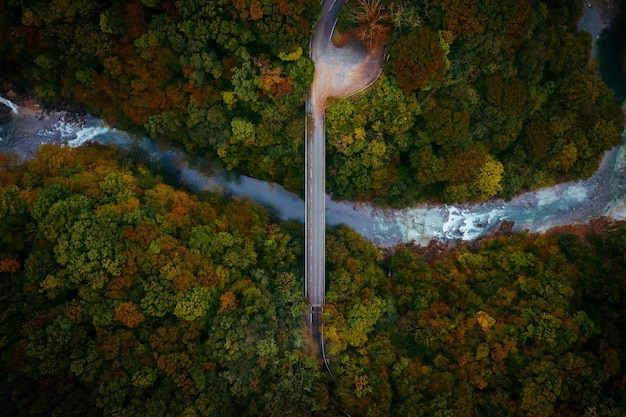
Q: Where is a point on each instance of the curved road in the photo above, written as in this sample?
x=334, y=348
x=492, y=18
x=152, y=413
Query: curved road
x=339, y=72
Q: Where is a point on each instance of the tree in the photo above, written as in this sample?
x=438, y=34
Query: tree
x=195, y=303
x=12, y=214
x=463, y=17
x=487, y=181
x=446, y=127
x=159, y=299
x=508, y=95
x=243, y=132
x=372, y=20
x=129, y=314
x=418, y=60
x=538, y=138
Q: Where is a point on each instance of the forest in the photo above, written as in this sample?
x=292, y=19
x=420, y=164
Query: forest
x=225, y=80
x=124, y=295
x=478, y=98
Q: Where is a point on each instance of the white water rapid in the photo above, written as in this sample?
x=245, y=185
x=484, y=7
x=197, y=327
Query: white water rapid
x=14, y=108
x=604, y=194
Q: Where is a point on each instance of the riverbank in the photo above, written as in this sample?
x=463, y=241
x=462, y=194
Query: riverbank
x=612, y=54
x=597, y=16
x=436, y=249
x=56, y=124
x=570, y=205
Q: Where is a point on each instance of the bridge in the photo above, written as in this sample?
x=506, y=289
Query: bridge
x=339, y=72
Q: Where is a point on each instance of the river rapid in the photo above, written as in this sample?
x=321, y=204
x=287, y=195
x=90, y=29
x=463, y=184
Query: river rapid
x=604, y=194
x=26, y=128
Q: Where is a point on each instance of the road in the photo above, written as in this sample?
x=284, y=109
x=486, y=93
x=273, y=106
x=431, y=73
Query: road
x=315, y=170
x=339, y=72
x=315, y=208
x=315, y=161
x=315, y=218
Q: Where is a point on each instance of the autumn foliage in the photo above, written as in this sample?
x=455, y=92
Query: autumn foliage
x=420, y=61
x=489, y=98
x=177, y=70
x=206, y=301
x=129, y=315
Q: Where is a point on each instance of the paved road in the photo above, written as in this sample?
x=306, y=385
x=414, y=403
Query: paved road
x=315, y=173
x=315, y=162
x=339, y=72
x=315, y=218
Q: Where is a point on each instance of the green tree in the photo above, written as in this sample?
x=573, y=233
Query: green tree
x=195, y=303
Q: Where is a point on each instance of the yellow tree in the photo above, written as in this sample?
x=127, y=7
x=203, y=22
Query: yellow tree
x=488, y=180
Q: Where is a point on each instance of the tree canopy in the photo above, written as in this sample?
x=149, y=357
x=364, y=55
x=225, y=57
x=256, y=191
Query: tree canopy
x=500, y=87
x=179, y=70
x=477, y=84
x=123, y=295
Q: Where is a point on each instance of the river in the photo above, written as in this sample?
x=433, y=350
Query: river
x=604, y=194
